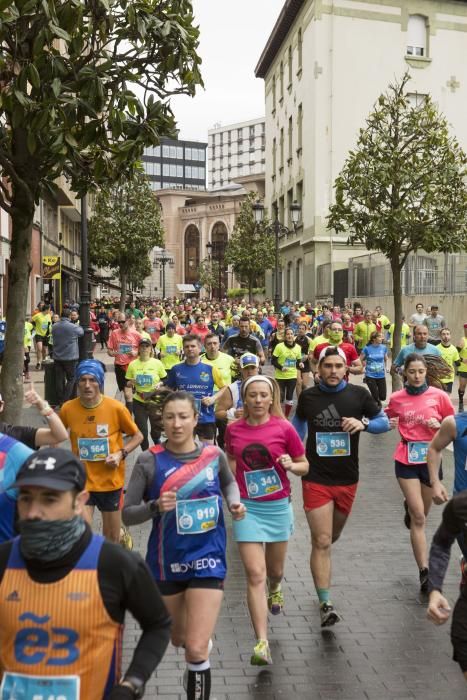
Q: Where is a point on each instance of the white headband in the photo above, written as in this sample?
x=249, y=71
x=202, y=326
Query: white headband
x=340, y=352
x=257, y=378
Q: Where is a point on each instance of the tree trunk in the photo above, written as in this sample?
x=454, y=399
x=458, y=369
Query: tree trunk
x=123, y=288
x=397, y=294
x=18, y=286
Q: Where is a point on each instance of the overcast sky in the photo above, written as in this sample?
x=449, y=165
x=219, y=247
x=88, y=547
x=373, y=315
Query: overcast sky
x=233, y=35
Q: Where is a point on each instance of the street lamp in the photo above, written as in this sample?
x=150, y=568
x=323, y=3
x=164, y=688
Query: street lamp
x=218, y=257
x=161, y=259
x=279, y=230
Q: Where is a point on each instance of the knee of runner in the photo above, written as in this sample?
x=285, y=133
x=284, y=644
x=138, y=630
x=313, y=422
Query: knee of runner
x=418, y=518
x=256, y=576
x=196, y=650
x=322, y=541
x=177, y=639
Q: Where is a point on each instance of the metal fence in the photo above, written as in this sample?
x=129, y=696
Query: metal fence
x=423, y=273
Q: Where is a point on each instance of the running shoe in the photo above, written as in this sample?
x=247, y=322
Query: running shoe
x=261, y=654
x=423, y=580
x=328, y=615
x=275, y=601
x=126, y=540
x=407, y=520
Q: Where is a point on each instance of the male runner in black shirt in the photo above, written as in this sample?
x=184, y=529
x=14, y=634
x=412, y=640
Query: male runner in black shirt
x=72, y=630
x=453, y=524
x=334, y=413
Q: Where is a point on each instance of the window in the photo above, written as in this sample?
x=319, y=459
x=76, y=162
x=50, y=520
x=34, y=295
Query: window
x=281, y=80
x=417, y=36
x=299, y=49
x=417, y=99
x=179, y=153
x=202, y=155
x=299, y=127
x=273, y=93
x=290, y=134
x=289, y=202
x=300, y=193
x=290, y=65
x=157, y=151
x=179, y=170
x=173, y=171
x=165, y=151
x=166, y=170
x=188, y=154
x=173, y=151
x=188, y=171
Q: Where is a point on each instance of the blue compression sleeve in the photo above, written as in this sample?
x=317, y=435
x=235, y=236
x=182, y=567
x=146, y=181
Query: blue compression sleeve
x=300, y=426
x=379, y=423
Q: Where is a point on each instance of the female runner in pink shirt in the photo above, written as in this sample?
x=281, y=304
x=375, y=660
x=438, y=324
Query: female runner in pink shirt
x=417, y=411
x=263, y=449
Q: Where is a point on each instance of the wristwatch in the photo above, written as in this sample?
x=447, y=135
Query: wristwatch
x=366, y=422
x=124, y=453
x=135, y=684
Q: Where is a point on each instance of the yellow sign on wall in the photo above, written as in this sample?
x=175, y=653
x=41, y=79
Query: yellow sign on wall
x=51, y=267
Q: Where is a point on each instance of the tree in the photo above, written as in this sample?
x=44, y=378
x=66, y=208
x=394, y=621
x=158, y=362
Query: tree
x=209, y=272
x=250, y=249
x=68, y=69
x=403, y=187
x=126, y=226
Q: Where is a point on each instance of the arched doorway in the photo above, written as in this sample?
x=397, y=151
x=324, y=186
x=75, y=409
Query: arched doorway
x=192, y=257
x=219, y=239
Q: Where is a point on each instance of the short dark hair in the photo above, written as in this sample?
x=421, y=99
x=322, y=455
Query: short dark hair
x=189, y=337
x=211, y=335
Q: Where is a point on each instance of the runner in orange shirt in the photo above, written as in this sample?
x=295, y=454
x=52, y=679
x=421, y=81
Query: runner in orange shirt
x=96, y=424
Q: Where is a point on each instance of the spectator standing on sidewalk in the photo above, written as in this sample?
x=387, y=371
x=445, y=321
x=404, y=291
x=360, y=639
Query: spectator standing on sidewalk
x=65, y=337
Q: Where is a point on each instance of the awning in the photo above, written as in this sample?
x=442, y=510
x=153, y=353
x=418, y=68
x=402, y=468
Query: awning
x=186, y=288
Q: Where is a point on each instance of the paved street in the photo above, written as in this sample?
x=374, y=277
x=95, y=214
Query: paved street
x=383, y=648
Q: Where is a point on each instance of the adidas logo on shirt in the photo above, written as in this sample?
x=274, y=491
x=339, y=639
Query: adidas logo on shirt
x=329, y=418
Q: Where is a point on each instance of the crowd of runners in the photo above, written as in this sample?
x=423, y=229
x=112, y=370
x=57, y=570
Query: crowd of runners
x=228, y=406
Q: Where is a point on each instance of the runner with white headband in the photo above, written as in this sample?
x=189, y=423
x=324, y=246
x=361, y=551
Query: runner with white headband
x=262, y=449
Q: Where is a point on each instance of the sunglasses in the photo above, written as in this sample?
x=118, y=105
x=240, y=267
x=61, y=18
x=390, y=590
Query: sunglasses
x=121, y=323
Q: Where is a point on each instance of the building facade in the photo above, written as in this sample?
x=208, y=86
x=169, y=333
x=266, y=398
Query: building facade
x=191, y=220
x=325, y=64
x=176, y=164
x=236, y=150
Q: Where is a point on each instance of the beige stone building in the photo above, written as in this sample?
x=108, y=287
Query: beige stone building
x=324, y=66
x=191, y=220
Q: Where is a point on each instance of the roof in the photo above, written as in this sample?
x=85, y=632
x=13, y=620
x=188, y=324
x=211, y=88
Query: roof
x=281, y=28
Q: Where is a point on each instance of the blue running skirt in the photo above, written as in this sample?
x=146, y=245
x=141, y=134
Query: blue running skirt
x=265, y=521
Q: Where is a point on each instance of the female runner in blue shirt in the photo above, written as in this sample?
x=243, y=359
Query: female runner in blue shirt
x=179, y=486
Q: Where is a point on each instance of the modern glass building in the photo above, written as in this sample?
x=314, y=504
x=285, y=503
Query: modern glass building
x=176, y=164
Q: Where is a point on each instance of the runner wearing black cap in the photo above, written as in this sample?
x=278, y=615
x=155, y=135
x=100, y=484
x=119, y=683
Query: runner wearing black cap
x=64, y=593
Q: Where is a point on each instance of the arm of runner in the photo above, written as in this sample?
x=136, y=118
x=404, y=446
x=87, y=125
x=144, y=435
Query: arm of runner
x=440, y=549
x=135, y=510
x=230, y=489
x=296, y=465
x=445, y=435
x=223, y=405
x=356, y=367
x=56, y=432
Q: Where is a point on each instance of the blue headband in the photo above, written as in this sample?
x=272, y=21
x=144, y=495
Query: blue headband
x=92, y=367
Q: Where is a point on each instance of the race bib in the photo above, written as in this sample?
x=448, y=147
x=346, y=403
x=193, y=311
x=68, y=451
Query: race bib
x=333, y=444
x=290, y=363
x=417, y=452
x=19, y=685
x=93, y=449
x=262, y=482
x=197, y=516
x=124, y=348
x=151, y=330
x=171, y=349
x=376, y=367
x=144, y=380
x=44, y=325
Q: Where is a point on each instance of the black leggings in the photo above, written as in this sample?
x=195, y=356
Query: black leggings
x=287, y=387
x=377, y=388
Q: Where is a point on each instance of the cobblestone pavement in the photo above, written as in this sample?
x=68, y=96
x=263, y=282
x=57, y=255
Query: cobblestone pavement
x=384, y=648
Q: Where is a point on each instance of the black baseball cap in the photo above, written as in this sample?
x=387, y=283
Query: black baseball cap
x=145, y=341
x=52, y=468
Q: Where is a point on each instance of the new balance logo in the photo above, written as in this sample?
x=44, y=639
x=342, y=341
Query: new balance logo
x=329, y=418
x=13, y=597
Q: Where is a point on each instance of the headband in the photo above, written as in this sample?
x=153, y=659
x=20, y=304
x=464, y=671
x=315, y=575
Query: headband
x=340, y=352
x=257, y=378
x=92, y=367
